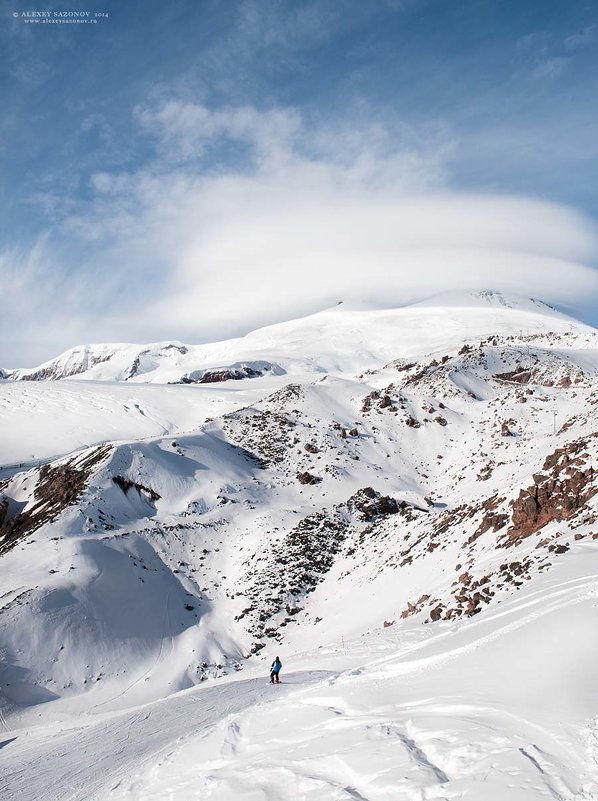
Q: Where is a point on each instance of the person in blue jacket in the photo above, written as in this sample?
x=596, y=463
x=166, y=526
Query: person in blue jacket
x=275, y=670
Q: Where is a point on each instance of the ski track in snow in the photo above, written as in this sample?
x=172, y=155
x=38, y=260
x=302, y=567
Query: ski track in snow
x=310, y=745
x=359, y=733
x=152, y=667
x=90, y=760
x=340, y=738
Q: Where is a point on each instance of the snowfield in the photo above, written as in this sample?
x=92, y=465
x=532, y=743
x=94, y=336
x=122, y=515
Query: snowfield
x=41, y=420
x=494, y=708
x=401, y=504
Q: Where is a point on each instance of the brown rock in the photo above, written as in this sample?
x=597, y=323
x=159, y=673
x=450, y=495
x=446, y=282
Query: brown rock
x=307, y=478
x=556, y=496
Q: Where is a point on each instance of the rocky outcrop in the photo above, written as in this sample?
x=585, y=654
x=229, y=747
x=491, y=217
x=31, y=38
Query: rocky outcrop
x=58, y=487
x=56, y=370
x=492, y=520
x=307, y=478
x=518, y=376
x=218, y=375
x=215, y=376
x=298, y=563
x=564, y=486
x=4, y=505
x=370, y=505
x=125, y=485
x=268, y=436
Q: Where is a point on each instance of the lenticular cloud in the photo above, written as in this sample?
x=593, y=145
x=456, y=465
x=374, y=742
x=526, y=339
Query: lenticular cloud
x=284, y=256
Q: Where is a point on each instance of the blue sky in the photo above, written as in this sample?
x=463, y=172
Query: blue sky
x=130, y=150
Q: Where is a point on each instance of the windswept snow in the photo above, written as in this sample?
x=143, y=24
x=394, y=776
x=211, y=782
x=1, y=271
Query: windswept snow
x=499, y=707
x=40, y=420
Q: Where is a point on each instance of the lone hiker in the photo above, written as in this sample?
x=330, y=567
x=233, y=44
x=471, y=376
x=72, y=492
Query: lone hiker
x=274, y=671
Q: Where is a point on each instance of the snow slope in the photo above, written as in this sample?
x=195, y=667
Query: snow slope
x=40, y=420
x=417, y=541
x=499, y=707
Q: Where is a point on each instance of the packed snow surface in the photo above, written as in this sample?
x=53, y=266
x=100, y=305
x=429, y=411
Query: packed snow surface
x=400, y=504
x=502, y=706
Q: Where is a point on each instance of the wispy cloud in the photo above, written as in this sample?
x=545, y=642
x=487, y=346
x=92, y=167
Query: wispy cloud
x=534, y=41
x=582, y=38
x=185, y=130
x=553, y=54
x=551, y=67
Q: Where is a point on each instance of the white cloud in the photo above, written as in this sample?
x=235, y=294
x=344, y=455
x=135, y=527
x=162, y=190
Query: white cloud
x=278, y=255
x=321, y=215
x=185, y=129
x=41, y=310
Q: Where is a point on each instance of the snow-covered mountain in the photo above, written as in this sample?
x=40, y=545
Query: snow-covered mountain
x=402, y=505
x=338, y=340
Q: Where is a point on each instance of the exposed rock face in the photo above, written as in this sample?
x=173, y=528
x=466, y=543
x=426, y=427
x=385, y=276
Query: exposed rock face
x=307, y=478
x=136, y=364
x=368, y=400
x=492, y=520
x=225, y=374
x=215, y=376
x=518, y=376
x=567, y=487
x=125, y=484
x=269, y=436
x=300, y=561
x=57, y=488
x=297, y=565
x=371, y=504
x=55, y=371
x=3, y=509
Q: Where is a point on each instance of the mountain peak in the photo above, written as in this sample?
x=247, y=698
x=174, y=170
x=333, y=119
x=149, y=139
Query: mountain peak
x=488, y=297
